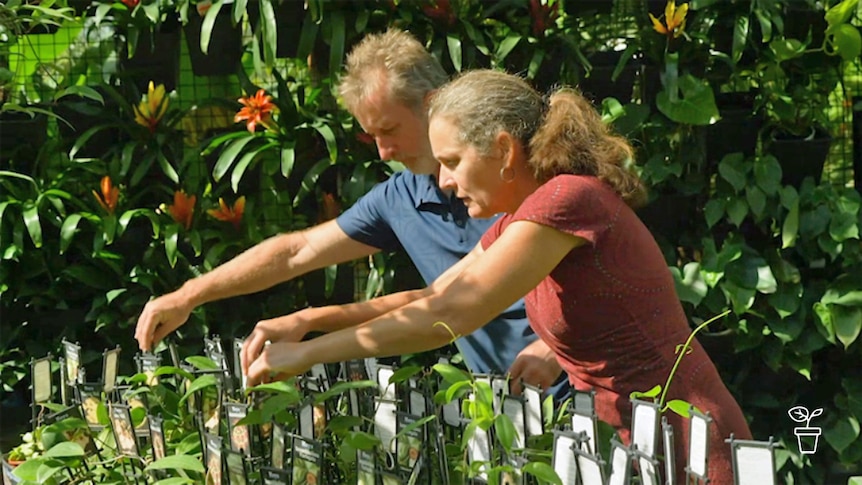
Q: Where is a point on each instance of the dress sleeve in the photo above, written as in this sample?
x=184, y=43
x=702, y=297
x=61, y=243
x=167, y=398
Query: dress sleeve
x=574, y=204
x=367, y=221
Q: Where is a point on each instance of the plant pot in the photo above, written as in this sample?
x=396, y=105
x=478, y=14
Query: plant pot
x=225, y=48
x=599, y=84
x=9, y=477
x=21, y=136
x=669, y=214
x=737, y=129
x=156, y=58
x=807, y=439
x=289, y=16
x=801, y=157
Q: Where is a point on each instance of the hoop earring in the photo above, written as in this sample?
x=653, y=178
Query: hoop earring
x=503, y=174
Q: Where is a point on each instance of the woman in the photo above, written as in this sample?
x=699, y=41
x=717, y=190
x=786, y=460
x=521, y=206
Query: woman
x=597, y=288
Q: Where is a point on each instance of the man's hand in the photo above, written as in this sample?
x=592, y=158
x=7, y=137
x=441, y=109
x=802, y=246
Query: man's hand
x=289, y=328
x=159, y=318
x=278, y=361
x=535, y=365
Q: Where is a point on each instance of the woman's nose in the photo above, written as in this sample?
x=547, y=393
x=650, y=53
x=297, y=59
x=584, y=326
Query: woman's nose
x=445, y=179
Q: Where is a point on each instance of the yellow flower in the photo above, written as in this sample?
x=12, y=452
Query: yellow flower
x=152, y=107
x=674, y=18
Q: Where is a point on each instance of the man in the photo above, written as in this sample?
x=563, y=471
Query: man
x=386, y=84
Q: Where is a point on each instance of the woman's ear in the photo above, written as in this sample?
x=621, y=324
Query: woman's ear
x=506, y=144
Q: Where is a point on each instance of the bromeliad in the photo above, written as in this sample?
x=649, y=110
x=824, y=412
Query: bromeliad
x=257, y=109
x=183, y=208
x=110, y=195
x=152, y=107
x=674, y=18
x=229, y=214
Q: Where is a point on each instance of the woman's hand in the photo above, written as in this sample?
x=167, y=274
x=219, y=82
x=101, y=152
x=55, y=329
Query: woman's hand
x=278, y=361
x=289, y=328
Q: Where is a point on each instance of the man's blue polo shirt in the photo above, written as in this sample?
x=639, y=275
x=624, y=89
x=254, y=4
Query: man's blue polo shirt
x=411, y=211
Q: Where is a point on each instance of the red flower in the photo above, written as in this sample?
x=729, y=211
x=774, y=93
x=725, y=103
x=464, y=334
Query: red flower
x=328, y=209
x=229, y=214
x=544, y=15
x=131, y=3
x=183, y=208
x=440, y=10
x=256, y=109
x=109, y=196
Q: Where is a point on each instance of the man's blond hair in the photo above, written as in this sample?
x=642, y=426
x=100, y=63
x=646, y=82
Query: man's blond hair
x=396, y=60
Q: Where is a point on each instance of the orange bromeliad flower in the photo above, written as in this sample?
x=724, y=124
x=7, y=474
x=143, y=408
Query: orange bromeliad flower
x=183, y=208
x=229, y=214
x=256, y=109
x=109, y=196
x=674, y=18
x=152, y=107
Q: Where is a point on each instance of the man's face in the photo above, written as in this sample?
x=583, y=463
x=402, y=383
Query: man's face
x=400, y=133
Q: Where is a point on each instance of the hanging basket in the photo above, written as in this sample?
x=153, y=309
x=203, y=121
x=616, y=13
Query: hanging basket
x=156, y=58
x=225, y=47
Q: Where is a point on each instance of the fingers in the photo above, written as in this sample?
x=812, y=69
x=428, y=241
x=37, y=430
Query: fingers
x=144, y=331
x=516, y=373
x=252, y=348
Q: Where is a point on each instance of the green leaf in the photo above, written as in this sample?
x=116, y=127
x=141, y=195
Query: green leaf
x=790, y=228
x=741, y=298
x=171, y=237
x=167, y=168
x=767, y=174
x=846, y=41
x=202, y=382
x=34, y=226
x=824, y=326
x=786, y=49
x=241, y=166
x=842, y=433
x=844, y=290
x=765, y=279
x=843, y=226
x=28, y=470
x=713, y=211
x=737, y=209
x=786, y=300
x=786, y=329
x=696, y=106
x=362, y=440
x=652, y=393
x=226, y=159
x=309, y=182
x=328, y=138
x=307, y=36
x=201, y=362
x=542, y=471
x=450, y=374
x=847, y=322
x=67, y=231
x=841, y=12
x=66, y=449
x=506, y=47
x=174, y=462
x=756, y=200
x=453, y=44
x=175, y=481
x=679, y=407
x=207, y=26
x=505, y=431
x=690, y=285
x=342, y=387
x=731, y=168
x=288, y=157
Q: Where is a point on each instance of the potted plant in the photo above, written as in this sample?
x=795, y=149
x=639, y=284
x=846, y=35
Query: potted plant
x=213, y=38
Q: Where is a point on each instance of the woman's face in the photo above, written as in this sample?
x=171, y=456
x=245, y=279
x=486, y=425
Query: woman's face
x=474, y=179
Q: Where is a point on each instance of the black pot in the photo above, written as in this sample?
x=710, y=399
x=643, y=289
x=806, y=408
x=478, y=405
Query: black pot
x=21, y=136
x=225, y=48
x=801, y=157
x=600, y=83
x=737, y=129
x=289, y=16
x=156, y=58
x=669, y=215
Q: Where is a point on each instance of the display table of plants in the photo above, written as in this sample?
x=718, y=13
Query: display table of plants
x=191, y=419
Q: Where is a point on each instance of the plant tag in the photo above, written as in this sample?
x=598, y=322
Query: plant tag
x=147, y=364
x=213, y=456
x=645, y=419
x=157, y=436
x=365, y=467
x=274, y=476
x=513, y=407
x=240, y=435
x=669, y=456
x=236, y=470
x=72, y=354
x=753, y=462
x=621, y=464
x=648, y=469
x=90, y=399
x=385, y=422
x=124, y=432
x=241, y=378
x=590, y=468
x=500, y=386
x=409, y=443
x=479, y=450
x=64, y=383
x=564, y=459
x=533, y=402
x=110, y=366
x=307, y=461
x=278, y=446
x=698, y=448
x=306, y=419
x=386, y=389
x=320, y=378
x=417, y=401
x=40, y=369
